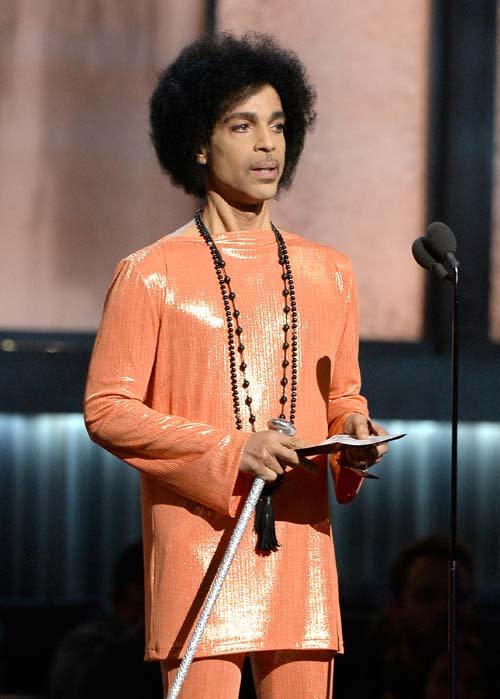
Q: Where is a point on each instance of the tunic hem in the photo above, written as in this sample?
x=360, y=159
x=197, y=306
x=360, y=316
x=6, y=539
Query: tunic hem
x=224, y=649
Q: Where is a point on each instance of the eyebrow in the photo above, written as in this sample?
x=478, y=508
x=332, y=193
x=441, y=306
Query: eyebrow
x=251, y=116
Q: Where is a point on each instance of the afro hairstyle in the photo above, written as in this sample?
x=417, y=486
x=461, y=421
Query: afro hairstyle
x=208, y=77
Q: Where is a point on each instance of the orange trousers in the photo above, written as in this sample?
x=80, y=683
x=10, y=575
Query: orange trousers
x=277, y=674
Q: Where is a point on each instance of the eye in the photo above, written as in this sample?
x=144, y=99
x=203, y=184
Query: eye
x=241, y=127
x=279, y=127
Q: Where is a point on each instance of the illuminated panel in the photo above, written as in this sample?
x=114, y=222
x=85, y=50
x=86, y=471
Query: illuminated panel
x=80, y=184
x=361, y=183
x=68, y=504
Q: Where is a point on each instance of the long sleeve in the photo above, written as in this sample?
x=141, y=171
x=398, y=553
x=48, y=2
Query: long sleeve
x=344, y=397
x=195, y=460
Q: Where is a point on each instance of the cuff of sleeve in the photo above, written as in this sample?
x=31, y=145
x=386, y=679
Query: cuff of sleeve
x=229, y=491
x=347, y=483
x=240, y=484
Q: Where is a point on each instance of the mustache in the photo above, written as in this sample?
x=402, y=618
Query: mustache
x=265, y=164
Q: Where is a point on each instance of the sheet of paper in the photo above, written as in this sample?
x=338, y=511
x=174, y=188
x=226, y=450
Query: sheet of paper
x=344, y=440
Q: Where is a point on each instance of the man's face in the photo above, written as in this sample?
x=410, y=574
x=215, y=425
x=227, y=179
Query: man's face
x=246, y=153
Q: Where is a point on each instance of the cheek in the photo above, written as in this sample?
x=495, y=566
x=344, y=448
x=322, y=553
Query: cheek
x=226, y=163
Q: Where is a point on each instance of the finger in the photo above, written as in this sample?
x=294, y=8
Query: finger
x=285, y=455
x=291, y=458
x=377, y=428
x=359, y=454
x=267, y=474
x=272, y=464
x=358, y=426
x=265, y=466
x=367, y=462
x=308, y=465
x=382, y=449
x=362, y=460
x=293, y=442
x=305, y=463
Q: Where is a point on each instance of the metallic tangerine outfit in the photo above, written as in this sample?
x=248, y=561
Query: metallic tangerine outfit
x=158, y=396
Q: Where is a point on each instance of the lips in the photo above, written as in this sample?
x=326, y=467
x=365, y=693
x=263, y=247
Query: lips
x=265, y=168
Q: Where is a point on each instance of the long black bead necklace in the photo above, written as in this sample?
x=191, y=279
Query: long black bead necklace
x=264, y=515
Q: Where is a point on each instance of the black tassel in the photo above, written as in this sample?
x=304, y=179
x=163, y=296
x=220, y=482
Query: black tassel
x=264, y=519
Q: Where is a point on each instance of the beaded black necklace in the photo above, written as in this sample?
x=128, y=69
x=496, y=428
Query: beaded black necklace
x=264, y=516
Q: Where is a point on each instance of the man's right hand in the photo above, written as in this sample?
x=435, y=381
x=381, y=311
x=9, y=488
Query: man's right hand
x=266, y=454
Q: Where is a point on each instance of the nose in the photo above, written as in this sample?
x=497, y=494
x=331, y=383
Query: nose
x=264, y=141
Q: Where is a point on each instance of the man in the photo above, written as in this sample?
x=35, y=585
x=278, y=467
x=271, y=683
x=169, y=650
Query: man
x=207, y=335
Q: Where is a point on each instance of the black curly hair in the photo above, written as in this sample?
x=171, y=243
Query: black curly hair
x=208, y=77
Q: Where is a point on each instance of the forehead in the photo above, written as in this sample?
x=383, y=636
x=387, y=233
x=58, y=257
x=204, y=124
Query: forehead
x=261, y=100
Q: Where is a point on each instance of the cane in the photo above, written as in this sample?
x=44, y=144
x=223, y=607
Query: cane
x=258, y=484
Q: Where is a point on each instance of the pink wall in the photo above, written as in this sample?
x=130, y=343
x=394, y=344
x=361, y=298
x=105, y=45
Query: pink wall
x=81, y=187
x=80, y=183
x=361, y=183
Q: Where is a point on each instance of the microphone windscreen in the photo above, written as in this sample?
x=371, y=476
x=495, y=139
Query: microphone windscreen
x=425, y=258
x=421, y=255
x=440, y=240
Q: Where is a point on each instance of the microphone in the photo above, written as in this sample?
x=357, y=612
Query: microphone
x=424, y=258
x=442, y=244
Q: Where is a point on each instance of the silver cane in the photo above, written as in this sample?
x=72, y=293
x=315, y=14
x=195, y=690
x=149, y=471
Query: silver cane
x=258, y=484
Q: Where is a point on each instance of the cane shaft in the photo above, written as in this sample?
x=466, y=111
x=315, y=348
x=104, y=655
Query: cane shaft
x=280, y=425
x=237, y=535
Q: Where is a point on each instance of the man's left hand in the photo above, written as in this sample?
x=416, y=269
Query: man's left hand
x=361, y=427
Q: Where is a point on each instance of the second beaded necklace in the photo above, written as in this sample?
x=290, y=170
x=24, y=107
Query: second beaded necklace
x=264, y=515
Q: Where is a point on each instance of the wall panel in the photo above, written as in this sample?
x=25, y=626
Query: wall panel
x=80, y=183
x=361, y=185
x=69, y=507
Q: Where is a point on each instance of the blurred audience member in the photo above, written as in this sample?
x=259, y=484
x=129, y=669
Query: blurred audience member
x=105, y=657
x=404, y=654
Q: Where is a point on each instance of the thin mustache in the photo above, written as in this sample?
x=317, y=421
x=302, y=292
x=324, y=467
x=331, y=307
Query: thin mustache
x=265, y=164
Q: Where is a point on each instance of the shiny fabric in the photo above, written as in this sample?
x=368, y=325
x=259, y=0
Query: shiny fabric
x=277, y=674
x=158, y=396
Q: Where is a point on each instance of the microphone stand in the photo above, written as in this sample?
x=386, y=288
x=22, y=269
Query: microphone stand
x=452, y=610
x=435, y=253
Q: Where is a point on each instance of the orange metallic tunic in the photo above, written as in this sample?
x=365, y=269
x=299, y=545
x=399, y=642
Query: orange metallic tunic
x=158, y=396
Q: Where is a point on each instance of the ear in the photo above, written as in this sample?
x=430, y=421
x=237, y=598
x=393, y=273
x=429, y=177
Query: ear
x=202, y=156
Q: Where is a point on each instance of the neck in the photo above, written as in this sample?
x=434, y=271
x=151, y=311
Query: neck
x=220, y=216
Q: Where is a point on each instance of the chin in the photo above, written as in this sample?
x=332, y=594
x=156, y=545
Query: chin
x=267, y=192
x=247, y=198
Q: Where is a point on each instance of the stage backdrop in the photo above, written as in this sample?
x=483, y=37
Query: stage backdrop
x=80, y=184
x=81, y=188
x=361, y=185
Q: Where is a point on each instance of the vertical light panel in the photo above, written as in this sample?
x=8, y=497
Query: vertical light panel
x=361, y=185
x=80, y=184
